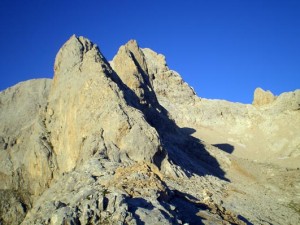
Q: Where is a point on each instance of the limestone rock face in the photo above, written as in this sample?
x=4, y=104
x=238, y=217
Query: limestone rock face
x=88, y=114
x=26, y=160
x=130, y=64
x=168, y=84
x=156, y=63
x=262, y=97
x=133, y=67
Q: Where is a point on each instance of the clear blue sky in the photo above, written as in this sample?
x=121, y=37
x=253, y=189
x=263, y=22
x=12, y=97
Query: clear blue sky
x=224, y=49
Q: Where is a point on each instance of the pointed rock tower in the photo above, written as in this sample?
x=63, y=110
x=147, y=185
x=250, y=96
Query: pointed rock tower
x=88, y=112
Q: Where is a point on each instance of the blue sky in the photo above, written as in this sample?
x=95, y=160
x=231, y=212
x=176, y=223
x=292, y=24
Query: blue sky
x=224, y=49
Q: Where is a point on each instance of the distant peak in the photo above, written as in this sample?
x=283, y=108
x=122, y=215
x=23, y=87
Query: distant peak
x=74, y=40
x=133, y=47
x=73, y=37
x=78, y=42
x=132, y=42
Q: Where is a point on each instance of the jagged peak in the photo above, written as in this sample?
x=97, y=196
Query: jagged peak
x=130, y=65
x=132, y=43
x=156, y=62
x=132, y=50
x=73, y=51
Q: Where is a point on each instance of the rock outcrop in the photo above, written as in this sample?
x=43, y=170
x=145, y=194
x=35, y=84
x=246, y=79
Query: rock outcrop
x=262, y=97
x=129, y=142
x=88, y=113
x=26, y=161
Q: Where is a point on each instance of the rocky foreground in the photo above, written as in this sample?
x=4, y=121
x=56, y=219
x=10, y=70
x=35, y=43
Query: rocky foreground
x=129, y=142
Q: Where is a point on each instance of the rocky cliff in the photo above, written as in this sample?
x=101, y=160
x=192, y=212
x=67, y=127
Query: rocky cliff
x=129, y=142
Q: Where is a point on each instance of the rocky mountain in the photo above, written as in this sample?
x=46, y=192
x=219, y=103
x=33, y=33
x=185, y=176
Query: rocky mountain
x=129, y=142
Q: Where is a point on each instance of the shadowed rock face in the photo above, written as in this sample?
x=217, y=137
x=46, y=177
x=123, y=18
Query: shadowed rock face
x=129, y=142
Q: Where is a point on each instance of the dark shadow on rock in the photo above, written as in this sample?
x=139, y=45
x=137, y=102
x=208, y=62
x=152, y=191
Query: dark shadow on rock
x=184, y=207
x=225, y=147
x=182, y=149
x=134, y=204
x=244, y=220
x=190, y=154
x=188, y=130
x=105, y=203
x=176, y=208
x=188, y=209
